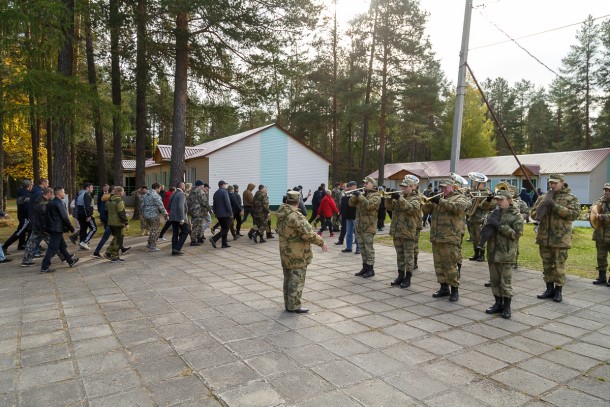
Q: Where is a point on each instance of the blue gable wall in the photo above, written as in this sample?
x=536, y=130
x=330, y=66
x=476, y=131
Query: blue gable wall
x=274, y=144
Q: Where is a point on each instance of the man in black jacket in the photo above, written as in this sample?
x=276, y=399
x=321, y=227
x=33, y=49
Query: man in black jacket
x=315, y=203
x=223, y=212
x=38, y=221
x=237, y=210
x=23, y=208
x=58, y=222
x=84, y=215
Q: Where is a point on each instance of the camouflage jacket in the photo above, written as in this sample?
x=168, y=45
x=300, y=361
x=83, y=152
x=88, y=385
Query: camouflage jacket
x=421, y=197
x=502, y=246
x=296, y=237
x=602, y=233
x=197, y=202
x=555, y=228
x=260, y=205
x=116, y=211
x=336, y=194
x=406, y=216
x=448, y=216
x=366, y=206
x=520, y=203
x=152, y=205
x=483, y=207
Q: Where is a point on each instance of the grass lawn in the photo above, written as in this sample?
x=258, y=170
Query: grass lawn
x=581, y=258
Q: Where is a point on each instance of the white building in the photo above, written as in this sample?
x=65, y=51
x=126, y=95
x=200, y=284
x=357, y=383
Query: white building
x=267, y=155
x=586, y=171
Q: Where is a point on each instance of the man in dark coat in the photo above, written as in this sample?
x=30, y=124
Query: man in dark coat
x=22, y=233
x=58, y=222
x=223, y=212
x=178, y=216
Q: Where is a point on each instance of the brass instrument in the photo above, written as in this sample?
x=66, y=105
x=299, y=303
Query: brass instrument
x=477, y=177
x=459, y=179
x=593, y=219
x=386, y=194
x=354, y=190
x=429, y=198
x=502, y=186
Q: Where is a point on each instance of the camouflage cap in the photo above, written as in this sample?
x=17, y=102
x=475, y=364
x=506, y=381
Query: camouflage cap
x=26, y=182
x=503, y=194
x=408, y=182
x=607, y=185
x=292, y=197
x=369, y=179
x=557, y=177
x=446, y=183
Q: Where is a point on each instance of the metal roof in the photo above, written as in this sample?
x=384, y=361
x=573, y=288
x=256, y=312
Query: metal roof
x=205, y=149
x=130, y=165
x=565, y=162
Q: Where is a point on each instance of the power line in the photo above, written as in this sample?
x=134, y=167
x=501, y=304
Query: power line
x=530, y=35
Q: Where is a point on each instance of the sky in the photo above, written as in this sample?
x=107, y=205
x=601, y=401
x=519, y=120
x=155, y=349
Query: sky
x=517, y=18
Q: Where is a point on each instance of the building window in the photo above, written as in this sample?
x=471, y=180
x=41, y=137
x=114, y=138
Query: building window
x=192, y=175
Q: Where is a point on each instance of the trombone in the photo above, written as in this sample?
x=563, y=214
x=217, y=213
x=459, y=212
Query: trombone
x=354, y=190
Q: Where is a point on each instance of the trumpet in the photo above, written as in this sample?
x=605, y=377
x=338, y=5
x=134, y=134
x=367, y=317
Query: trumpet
x=429, y=198
x=387, y=194
x=354, y=190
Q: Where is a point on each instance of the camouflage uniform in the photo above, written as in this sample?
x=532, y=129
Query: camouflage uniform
x=117, y=219
x=198, y=209
x=446, y=231
x=477, y=217
x=260, y=211
x=336, y=194
x=366, y=206
x=296, y=237
x=554, y=235
x=139, y=196
x=406, y=219
x=420, y=226
x=601, y=235
x=152, y=207
x=502, y=251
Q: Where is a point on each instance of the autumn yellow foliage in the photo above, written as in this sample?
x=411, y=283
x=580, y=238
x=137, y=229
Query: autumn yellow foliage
x=18, y=150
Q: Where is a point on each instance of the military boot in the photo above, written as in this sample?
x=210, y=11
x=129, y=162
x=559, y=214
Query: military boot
x=549, y=293
x=270, y=235
x=399, y=279
x=506, y=310
x=406, y=283
x=260, y=238
x=370, y=272
x=475, y=256
x=557, y=296
x=481, y=255
x=361, y=272
x=443, y=291
x=415, y=266
x=601, y=279
x=496, y=308
x=251, y=234
x=455, y=294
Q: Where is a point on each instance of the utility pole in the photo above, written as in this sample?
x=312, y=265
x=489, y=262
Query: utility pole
x=460, y=91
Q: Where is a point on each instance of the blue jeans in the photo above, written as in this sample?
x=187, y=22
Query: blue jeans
x=350, y=235
x=105, y=237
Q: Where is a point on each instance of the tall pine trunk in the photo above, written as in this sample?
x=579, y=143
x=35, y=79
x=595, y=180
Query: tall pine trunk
x=141, y=85
x=117, y=156
x=61, y=143
x=102, y=176
x=335, y=142
x=384, y=112
x=35, y=132
x=367, y=99
x=180, y=97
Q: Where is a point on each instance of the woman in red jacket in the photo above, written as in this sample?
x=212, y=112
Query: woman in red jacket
x=325, y=211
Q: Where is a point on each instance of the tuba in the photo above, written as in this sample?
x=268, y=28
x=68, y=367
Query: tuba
x=502, y=186
x=458, y=179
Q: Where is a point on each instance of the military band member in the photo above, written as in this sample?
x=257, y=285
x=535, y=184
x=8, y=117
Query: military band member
x=406, y=217
x=366, y=205
x=502, y=251
x=601, y=235
x=296, y=237
x=446, y=229
x=555, y=211
x=477, y=217
x=420, y=224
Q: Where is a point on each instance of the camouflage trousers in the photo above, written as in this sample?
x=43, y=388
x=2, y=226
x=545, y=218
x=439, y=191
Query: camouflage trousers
x=475, y=233
x=117, y=242
x=367, y=249
x=501, y=279
x=153, y=225
x=197, y=227
x=554, y=264
x=446, y=258
x=32, y=245
x=142, y=222
x=294, y=282
x=404, y=254
x=602, y=255
x=416, y=243
x=260, y=223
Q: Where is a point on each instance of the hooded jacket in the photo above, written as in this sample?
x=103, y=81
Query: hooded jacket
x=249, y=196
x=555, y=228
x=503, y=244
x=115, y=206
x=296, y=237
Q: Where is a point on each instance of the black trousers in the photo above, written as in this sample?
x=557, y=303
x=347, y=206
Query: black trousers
x=225, y=224
x=22, y=233
x=56, y=244
x=181, y=232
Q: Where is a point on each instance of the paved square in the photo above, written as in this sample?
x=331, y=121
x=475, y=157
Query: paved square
x=209, y=329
